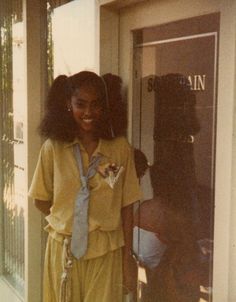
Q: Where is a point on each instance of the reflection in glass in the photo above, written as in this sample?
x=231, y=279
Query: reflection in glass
x=12, y=155
x=174, y=126
x=174, y=232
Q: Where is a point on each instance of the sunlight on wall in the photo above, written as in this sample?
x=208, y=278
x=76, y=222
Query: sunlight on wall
x=73, y=34
x=19, y=113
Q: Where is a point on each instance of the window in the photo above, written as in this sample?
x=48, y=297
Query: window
x=12, y=110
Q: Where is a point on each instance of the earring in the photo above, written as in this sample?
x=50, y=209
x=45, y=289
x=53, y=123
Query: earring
x=68, y=109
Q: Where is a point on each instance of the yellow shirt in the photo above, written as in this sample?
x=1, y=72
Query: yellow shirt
x=57, y=179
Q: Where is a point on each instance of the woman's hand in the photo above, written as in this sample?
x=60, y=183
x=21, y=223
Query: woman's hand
x=129, y=273
x=43, y=206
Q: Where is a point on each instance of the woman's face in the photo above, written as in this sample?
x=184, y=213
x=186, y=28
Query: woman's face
x=86, y=107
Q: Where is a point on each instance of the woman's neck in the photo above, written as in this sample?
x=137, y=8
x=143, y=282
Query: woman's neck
x=90, y=143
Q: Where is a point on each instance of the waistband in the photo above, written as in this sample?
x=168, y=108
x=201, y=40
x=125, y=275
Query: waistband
x=99, y=242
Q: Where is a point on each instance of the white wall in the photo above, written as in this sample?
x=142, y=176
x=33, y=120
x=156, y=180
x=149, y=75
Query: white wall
x=34, y=92
x=75, y=33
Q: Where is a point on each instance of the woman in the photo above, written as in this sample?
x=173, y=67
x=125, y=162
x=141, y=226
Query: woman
x=85, y=183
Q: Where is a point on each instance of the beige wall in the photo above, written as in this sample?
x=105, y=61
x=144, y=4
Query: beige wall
x=149, y=13
x=232, y=247
x=35, y=95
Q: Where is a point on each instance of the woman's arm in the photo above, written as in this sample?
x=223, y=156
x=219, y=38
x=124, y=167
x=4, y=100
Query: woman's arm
x=129, y=263
x=43, y=206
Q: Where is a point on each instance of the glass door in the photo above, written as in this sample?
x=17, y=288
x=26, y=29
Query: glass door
x=174, y=109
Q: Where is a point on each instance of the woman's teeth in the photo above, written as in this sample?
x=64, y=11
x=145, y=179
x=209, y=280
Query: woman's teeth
x=86, y=120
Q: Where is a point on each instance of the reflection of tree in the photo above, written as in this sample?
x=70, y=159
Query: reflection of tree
x=12, y=232
x=7, y=160
x=14, y=245
x=50, y=72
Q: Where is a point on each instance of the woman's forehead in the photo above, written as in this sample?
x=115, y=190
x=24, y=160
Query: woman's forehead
x=87, y=93
x=88, y=89
x=95, y=86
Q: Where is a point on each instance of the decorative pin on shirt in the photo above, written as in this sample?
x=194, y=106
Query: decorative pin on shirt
x=110, y=173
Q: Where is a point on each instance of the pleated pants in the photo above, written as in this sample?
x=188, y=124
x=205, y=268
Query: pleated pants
x=93, y=280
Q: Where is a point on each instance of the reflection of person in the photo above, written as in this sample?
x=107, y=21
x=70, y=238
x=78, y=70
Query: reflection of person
x=177, y=275
x=83, y=168
x=176, y=125
x=174, y=215
x=164, y=242
x=147, y=245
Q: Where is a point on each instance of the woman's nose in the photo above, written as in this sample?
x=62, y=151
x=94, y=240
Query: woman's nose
x=87, y=109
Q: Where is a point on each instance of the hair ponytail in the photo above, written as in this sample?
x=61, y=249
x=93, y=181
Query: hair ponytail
x=116, y=106
x=58, y=93
x=57, y=122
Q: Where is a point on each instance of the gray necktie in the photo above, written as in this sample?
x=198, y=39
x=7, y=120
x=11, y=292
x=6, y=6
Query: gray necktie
x=79, y=240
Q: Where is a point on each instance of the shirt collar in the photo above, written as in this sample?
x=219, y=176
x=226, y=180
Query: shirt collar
x=102, y=147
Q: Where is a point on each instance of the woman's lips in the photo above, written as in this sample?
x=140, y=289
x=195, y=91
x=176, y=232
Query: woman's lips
x=87, y=120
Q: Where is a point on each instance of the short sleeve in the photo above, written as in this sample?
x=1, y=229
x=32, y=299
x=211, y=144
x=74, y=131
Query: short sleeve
x=42, y=183
x=131, y=187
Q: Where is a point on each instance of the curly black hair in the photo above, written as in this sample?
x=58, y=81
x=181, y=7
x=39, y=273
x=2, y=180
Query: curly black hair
x=59, y=124
x=117, y=106
x=141, y=162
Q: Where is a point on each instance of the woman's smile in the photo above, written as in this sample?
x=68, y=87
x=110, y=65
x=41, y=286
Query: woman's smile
x=88, y=121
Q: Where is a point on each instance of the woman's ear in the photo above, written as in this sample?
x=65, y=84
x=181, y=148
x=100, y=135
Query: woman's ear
x=69, y=108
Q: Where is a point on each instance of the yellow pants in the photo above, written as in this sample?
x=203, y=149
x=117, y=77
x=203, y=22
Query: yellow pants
x=94, y=280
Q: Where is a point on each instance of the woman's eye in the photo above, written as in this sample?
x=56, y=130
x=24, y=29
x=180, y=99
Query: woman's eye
x=95, y=105
x=80, y=104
